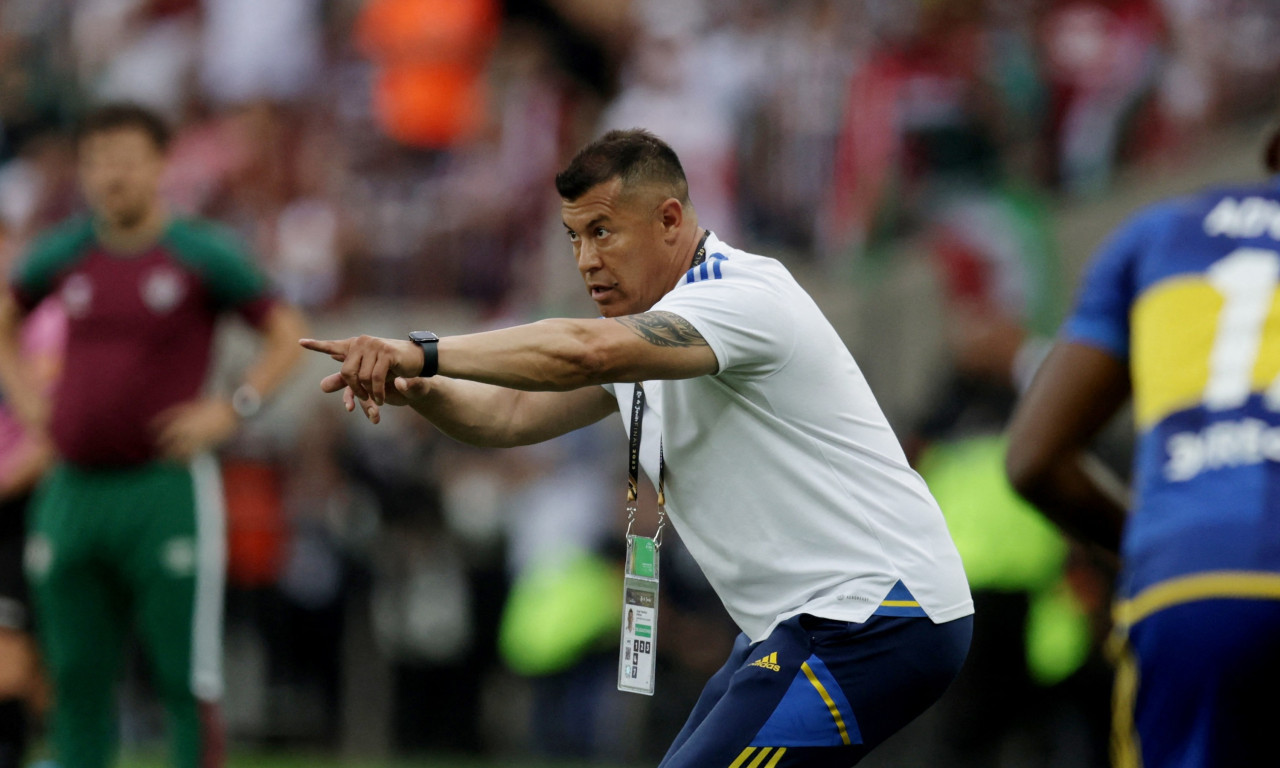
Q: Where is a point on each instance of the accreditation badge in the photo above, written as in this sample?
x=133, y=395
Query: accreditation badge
x=636, y=668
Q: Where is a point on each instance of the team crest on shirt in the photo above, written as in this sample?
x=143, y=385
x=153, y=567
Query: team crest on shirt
x=37, y=556
x=162, y=289
x=178, y=555
x=77, y=295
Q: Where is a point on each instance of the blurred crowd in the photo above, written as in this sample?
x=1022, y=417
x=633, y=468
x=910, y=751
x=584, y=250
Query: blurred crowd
x=393, y=591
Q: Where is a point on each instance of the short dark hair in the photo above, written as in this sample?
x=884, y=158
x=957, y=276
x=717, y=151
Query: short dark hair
x=636, y=156
x=122, y=115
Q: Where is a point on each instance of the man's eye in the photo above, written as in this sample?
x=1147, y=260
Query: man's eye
x=573, y=236
x=601, y=231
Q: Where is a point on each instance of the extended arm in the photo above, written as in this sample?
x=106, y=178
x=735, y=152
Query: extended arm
x=25, y=402
x=523, y=384
x=567, y=354
x=1076, y=391
x=488, y=416
x=547, y=356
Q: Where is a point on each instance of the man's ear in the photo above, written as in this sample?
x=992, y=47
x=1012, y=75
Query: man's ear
x=671, y=215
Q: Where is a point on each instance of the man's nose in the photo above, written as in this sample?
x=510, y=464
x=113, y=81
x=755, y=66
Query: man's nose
x=588, y=257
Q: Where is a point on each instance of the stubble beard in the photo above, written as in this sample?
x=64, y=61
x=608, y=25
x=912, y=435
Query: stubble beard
x=128, y=218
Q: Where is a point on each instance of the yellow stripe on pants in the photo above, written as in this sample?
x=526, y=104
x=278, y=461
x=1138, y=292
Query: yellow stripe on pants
x=764, y=753
x=1126, y=747
x=831, y=705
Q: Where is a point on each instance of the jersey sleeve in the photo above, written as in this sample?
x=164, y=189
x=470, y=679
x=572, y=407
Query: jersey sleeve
x=224, y=265
x=743, y=316
x=35, y=275
x=1101, y=315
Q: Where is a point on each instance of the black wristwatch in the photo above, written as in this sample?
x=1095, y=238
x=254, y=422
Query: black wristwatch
x=427, y=341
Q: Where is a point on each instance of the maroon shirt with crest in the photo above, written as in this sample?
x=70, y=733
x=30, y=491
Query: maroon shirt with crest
x=140, y=329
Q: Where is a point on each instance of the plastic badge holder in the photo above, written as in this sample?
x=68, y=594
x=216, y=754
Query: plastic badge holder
x=636, y=669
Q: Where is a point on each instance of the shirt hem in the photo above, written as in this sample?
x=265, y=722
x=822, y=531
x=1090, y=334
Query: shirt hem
x=864, y=612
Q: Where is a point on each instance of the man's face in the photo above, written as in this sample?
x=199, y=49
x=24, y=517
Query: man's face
x=120, y=171
x=618, y=243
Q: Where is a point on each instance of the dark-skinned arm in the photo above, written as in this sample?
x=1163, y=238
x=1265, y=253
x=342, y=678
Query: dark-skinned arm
x=1075, y=393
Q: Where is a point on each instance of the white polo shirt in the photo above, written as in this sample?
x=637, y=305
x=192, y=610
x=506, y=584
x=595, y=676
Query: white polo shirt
x=783, y=477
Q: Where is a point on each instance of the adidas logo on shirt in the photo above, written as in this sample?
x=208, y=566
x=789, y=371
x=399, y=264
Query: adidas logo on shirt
x=768, y=662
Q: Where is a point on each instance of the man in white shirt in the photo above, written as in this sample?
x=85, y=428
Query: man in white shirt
x=781, y=473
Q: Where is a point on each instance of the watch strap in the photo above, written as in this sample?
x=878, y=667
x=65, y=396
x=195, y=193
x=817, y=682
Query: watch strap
x=428, y=342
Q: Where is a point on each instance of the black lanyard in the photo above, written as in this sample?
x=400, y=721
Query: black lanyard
x=633, y=457
x=637, y=421
x=700, y=255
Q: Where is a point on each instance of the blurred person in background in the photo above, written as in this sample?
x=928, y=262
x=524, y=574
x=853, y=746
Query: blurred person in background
x=24, y=458
x=919, y=119
x=126, y=529
x=37, y=189
x=1101, y=60
x=1029, y=669
x=853, y=604
x=1181, y=308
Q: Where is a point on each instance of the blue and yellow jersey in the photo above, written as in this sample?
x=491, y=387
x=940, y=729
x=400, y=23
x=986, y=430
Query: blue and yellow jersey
x=1186, y=293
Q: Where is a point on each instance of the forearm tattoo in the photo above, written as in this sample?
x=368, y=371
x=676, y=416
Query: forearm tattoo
x=664, y=329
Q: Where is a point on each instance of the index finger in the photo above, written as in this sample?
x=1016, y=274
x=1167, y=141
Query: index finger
x=327, y=346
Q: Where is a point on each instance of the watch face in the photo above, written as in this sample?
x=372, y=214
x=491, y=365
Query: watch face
x=422, y=336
